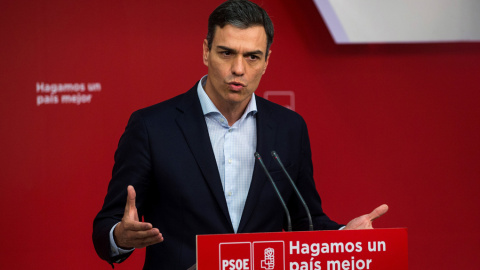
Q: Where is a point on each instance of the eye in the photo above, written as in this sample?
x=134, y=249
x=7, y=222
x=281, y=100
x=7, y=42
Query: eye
x=226, y=53
x=253, y=57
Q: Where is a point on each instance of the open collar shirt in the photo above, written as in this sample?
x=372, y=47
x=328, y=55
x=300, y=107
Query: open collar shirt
x=234, y=147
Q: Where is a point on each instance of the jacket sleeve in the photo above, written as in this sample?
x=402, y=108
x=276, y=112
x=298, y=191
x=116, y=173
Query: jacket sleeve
x=132, y=167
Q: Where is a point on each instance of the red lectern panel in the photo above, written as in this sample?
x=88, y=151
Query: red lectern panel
x=317, y=250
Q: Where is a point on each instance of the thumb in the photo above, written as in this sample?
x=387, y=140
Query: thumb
x=130, y=208
x=378, y=212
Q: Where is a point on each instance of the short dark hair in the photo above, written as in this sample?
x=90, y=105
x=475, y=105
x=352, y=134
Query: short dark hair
x=241, y=14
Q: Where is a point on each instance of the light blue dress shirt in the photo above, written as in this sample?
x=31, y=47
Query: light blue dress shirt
x=234, y=147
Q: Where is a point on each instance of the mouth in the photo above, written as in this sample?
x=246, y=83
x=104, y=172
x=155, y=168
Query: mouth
x=236, y=86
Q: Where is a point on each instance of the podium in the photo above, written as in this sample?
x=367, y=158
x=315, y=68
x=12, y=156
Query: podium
x=378, y=249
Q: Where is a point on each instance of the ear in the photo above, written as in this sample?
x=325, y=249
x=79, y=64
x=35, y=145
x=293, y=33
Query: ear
x=206, y=52
x=266, y=62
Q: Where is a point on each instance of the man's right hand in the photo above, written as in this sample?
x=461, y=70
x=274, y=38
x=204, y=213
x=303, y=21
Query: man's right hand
x=130, y=232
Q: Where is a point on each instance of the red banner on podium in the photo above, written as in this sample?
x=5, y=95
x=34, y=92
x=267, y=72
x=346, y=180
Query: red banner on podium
x=317, y=250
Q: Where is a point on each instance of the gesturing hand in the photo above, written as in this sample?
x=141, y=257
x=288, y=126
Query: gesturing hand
x=365, y=221
x=130, y=232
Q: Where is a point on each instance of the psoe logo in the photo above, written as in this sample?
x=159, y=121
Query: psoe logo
x=235, y=256
x=269, y=255
x=269, y=262
x=265, y=255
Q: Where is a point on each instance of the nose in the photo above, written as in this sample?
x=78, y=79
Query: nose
x=238, y=66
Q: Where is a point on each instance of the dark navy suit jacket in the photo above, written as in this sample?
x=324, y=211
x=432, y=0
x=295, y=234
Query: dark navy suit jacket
x=166, y=154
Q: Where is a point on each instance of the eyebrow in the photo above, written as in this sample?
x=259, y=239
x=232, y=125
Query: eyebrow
x=257, y=52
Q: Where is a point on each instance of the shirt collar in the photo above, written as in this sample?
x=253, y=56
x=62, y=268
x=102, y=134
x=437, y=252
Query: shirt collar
x=208, y=107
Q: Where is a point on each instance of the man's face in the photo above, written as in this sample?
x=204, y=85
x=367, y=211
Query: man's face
x=236, y=63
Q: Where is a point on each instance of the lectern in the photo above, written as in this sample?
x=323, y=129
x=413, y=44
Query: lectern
x=378, y=249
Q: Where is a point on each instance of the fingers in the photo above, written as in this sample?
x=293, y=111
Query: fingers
x=143, y=236
x=130, y=217
x=136, y=226
x=131, y=194
x=378, y=212
x=365, y=221
x=130, y=208
x=130, y=232
x=146, y=238
x=128, y=238
x=148, y=242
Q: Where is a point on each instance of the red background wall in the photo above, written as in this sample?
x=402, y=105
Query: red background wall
x=395, y=124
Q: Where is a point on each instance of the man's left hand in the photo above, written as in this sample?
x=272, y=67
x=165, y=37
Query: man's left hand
x=365, y=221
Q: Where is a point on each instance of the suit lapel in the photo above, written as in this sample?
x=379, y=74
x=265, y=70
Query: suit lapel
x=192, y=123
x=266, y=127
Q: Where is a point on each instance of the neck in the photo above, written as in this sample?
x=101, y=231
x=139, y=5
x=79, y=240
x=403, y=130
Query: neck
x=232, y=112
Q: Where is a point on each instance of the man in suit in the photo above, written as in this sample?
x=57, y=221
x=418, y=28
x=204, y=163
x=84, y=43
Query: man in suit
x=187, y=165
